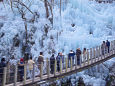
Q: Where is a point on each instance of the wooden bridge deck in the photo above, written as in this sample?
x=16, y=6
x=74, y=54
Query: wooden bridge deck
x=94, y=57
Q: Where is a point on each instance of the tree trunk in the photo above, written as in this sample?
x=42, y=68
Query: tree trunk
x=60, y=7
x=46, y=7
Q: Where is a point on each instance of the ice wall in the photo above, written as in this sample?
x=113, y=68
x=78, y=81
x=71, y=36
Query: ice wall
x=93, y=23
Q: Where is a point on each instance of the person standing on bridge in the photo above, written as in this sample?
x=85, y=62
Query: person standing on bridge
x=78, y=54
x=58, y=62
x=52, y=63
x=71, y=55
x=40, y=60
x=21, y=68
x=62, y=58
x=31, y=65
x=2, y=65
x=103, y=48
x=108, y=45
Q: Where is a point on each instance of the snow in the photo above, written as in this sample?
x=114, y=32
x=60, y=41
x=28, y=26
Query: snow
x=99, y=19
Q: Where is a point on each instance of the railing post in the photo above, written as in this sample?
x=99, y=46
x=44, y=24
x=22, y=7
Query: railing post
x=61, y=66
x=71, y=63
x=98, y=53
x=94, y=56
x=15, y=75
x=33, y=72
x=114, y=46
x=84, y=57
x=101, y=53
x=55, y=67
x=80, y=60
x=111, y=47
x=88, y=56
x=8, y=73
x=75, y=61
x=4, y=76
x=25, y=70
x=48, y=68
x=66, y=64
x=91, y=56
x=41, y=70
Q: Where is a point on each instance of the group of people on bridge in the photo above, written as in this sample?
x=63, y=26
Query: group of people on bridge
x=74, y=56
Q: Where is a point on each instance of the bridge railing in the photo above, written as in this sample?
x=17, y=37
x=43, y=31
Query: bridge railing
x=47, y=69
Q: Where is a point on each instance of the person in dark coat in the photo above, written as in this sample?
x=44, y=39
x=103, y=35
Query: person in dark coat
x=71, y=55
x=21, y=68
x=58, y=62
x=52, y=63
x=40, y=60
x=103, y=48
x=78, y=54
x=108, y=45
x=2, y=65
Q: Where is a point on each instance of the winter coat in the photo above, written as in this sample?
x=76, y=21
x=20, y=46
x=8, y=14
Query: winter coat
x=71, y=54
x=30, y=64
x=107, y=43
x=40, y=59
x=2, y=65
x=59, y=57
x=78, y=52
x=52, y=60
x=103, y=47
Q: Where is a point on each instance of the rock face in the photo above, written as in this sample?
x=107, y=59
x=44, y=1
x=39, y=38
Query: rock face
x=81, y=82
x=110, y=80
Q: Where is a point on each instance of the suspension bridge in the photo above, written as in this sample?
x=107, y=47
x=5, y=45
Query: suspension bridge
x=92, y=57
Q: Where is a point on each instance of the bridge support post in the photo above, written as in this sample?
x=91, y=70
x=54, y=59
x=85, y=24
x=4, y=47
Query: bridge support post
x=88, y=56
x=94, y=54
x=101, y=53
x=98, y=53
x=41, y=70
x=48, y=67
x=55, y=67
x=84, y=58
x=33, y=73
x=25, y=70
x=66, y=64
x=8, y=73
x=111, y=48
x=71, y=63
x=80, y=60
x=114, y=46
x=60, y=66
x=91, y=56
x=75, y=62
x=4, y=76
x=15, y=75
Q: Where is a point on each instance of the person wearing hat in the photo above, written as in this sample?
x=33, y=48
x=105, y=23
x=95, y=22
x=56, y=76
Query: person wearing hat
x=2, y=65
x=21, y=68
